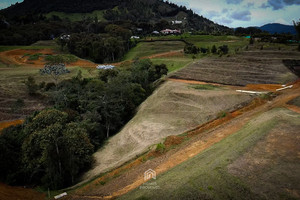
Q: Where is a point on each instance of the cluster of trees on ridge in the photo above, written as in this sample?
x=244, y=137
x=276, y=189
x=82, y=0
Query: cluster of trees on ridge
x=54, y=146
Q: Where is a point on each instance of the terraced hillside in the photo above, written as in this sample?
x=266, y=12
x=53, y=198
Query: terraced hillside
x=249, y=67
x=173, y=109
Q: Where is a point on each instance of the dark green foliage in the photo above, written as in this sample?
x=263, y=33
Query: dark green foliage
x=49, y=86
x=214, y=49
x=251, y=41
x=32, y=87
x=106, y=74
x=223, y=49
x=18, y=105
x=297, y=27
x=55, y=150
x=58, y=59
x=11, y=140
x=105, y=104
x=191, y=49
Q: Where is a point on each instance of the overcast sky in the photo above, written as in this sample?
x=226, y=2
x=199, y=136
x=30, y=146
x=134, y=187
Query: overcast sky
x=235, y=13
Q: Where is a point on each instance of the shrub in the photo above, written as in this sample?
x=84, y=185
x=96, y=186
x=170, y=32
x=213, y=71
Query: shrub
x=160, y=148
x=221, y=114
x=50, y=86
x=214, y=49
x=224, y=49
x=32, y=87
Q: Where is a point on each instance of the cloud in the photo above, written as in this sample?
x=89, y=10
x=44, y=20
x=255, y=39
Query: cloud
x=225, y=21
x=280, y=4
x=250, y=5
x=225, y=10
x=4, y=5
x=282, y=21
x=234, y=1
x=212, y=14
x=241, y=15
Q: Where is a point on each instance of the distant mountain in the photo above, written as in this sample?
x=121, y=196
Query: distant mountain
x=141, y=11
x=278, y=28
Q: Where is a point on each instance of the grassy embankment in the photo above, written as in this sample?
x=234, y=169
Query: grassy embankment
x=175, y=62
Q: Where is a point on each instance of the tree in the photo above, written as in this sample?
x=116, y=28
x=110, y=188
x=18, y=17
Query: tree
x=11, y=140
x=297, y=27
x=214, y=49
x=54, y=71
x=32, y=87
x=223, y=49
x=55, y=151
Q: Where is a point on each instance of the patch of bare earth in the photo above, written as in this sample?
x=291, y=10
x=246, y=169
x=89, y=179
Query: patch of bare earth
x=249, y=67
x=19, y=193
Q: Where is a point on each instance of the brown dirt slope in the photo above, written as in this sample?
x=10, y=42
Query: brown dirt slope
x=17, y=57
x=19, y=193
x=172, y=109
x=249, y=67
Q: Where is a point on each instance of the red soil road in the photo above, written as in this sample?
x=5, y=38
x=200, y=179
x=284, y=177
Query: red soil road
x=6, y=124
x=17, y=57
x=19, y=193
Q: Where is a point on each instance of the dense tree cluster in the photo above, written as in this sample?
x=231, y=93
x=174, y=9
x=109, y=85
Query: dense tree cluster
x=55, y=145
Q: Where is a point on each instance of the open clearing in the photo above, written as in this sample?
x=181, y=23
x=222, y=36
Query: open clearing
x=172, y=109
x=18, y=57
x=146, y=49
x=249, y=67
x=13, y=87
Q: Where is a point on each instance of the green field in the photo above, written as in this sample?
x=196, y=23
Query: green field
x=7, y=48
x=78, y=16
x=208, y=176
x=173, y=63
x=207, y=41
x=144, y=49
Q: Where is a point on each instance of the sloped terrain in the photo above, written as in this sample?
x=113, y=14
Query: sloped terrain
x=173, y=109
x=249, y=67
x=259, y=161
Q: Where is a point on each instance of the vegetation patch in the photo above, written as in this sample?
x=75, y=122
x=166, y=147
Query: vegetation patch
x=206, y=87
x=295, y=101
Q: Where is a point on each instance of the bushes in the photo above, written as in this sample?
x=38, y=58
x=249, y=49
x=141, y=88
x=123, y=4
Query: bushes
x=32, y=87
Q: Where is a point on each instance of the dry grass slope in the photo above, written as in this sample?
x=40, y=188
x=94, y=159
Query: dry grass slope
x=171, y=110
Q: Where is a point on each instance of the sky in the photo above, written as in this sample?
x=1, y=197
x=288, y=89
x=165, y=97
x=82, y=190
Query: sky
x=235, y=13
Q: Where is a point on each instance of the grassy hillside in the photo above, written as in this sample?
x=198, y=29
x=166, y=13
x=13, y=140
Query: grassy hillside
x=207, y=41
x=77, y=16
x=242, y=166
x=144, y=49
